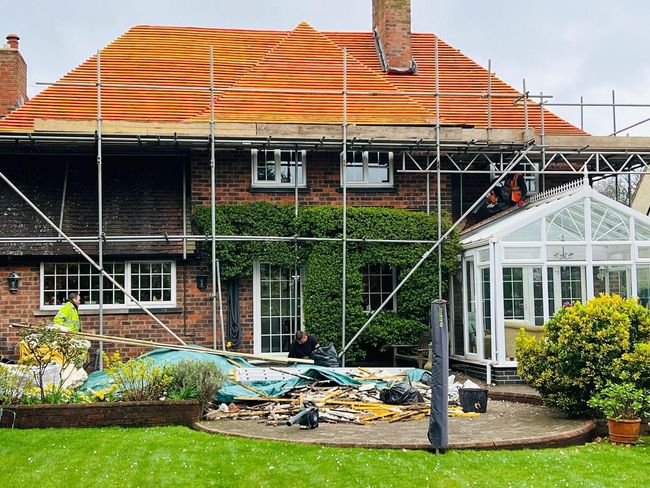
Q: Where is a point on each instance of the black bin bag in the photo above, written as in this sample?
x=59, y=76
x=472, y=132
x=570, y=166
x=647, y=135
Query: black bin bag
x=400, y=394
x=325, y=356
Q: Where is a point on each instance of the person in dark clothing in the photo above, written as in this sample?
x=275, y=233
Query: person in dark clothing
x=303, y=345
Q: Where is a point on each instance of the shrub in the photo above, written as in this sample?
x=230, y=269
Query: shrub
x=14, y=383
x=621, y=401
x=138, y=379
x=580, y=348
x=387, y=330
x=199, y=380
x=636, y=364
x=48, y=343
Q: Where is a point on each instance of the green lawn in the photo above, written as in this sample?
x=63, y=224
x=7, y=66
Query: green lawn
x=177, y=456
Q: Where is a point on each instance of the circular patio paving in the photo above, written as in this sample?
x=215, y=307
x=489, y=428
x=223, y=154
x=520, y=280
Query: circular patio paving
x=505, y=425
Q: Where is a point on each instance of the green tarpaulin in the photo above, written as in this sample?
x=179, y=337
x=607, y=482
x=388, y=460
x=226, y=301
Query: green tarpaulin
x=272, y=388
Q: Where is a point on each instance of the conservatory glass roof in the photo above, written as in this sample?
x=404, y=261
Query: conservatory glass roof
x=562, y=217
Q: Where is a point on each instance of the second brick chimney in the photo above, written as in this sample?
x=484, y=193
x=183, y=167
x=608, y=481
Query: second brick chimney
x=391, y=26
x=13, y=76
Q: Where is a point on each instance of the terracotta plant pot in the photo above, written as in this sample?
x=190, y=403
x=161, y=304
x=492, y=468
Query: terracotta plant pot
x=624, y=431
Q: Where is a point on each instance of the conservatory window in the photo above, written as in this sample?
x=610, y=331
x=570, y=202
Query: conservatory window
x=513, y=293
x=566, y=253
x=551, y=291
x=607, y=224
x=643, y=285
x=487, y=313
x=644, y=252
x=567, y=224
x=642, y=231
x=538, y=296
x=530, y=232
x=611, y=279
x=522, y=253
x=612, y=252
x=470, y=307
x=570, y=284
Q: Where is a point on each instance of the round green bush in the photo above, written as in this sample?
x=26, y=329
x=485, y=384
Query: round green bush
x=583, y=347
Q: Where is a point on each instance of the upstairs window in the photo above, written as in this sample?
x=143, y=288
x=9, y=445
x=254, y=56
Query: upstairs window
x=369, y=168
x=278, y=167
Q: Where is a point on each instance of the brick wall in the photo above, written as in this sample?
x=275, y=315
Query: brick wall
x=13, y=80
x=191, y=320
x=233, y=184
x=123, y=414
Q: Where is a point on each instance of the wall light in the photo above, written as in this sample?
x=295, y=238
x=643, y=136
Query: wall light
x=202, y=281
x=13, y=280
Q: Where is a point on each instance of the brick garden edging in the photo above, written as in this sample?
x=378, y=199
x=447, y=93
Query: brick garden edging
x=104, y=414
x=511, y=396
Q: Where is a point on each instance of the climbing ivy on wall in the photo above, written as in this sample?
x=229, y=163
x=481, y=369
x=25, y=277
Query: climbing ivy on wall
x=322, y=261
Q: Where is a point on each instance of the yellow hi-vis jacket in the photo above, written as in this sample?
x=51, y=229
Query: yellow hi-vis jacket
x=68, y=316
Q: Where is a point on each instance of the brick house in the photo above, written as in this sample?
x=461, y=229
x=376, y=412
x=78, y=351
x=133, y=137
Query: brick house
x=279, y=120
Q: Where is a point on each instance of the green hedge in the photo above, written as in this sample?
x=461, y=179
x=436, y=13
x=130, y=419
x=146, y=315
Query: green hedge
x=323, y=263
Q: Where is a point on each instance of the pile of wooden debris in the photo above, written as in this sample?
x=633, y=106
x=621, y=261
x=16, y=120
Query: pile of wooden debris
x=359, y=404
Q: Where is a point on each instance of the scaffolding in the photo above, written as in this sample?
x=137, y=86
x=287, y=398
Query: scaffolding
x=487, y=155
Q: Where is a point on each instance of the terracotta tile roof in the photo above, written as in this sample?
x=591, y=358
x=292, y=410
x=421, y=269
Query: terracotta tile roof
x=301, y=59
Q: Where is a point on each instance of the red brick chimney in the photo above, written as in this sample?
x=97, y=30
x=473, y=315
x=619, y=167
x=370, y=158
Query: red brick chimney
x=391, y=26
x=13, y=76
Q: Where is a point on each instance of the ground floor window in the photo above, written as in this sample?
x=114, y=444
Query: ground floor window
x=378, y=283
x=150, y=282
x=278, y=309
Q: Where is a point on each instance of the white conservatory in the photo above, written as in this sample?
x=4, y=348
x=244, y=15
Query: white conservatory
x=570, y=243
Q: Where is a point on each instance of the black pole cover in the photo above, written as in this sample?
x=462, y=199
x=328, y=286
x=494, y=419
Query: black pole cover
x=438, y=421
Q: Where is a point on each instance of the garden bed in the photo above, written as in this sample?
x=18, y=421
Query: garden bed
x=122, y=414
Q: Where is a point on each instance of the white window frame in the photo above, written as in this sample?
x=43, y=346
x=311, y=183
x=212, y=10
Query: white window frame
x=364, y=183
x=257, y=310
x=277, y=157
x=478, y=300
x=528, y=288
x=393, y=270
x=128, y=303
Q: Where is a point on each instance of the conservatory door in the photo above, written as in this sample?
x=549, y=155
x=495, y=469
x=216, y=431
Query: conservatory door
x=566, y=285
x=469, y=299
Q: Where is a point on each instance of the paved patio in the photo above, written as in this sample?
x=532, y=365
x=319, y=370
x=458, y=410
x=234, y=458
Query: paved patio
x=505, y=425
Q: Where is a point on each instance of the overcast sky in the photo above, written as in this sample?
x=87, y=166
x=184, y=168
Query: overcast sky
x=564, y=48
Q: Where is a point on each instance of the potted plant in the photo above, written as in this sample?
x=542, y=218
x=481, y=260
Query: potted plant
x=623, y=404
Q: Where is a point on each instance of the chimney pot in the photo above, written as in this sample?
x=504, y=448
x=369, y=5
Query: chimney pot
x=12, y=40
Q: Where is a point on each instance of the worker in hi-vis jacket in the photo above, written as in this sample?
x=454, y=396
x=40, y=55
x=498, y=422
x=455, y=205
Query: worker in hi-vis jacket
x=68, y=314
